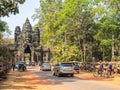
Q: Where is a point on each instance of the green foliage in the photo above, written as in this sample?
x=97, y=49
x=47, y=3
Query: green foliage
x=118, y=58
x=65, y=53
x=106, y=42
x=80, y=29
x=9, y=7
x=3, y=26
x=5, y=53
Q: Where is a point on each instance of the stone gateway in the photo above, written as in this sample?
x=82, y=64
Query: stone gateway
x=27, y=45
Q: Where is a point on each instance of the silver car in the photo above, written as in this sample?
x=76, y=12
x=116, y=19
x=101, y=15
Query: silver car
x=63, y=68
x=46, y=66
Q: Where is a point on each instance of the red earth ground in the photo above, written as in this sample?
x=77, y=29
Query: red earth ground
x=115, y=80
x=29, y=80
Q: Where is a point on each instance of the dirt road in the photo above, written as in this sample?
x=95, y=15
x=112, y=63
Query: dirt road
x=34, y=79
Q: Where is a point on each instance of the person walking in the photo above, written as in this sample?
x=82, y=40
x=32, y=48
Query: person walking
x=100, y=69
x=40, y=65
x=13, y=66
x=110, y=68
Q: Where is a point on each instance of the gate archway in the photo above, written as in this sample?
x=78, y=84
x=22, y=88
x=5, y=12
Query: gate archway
x=27, y=53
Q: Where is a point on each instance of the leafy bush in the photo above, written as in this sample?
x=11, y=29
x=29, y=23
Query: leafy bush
x=118, y=58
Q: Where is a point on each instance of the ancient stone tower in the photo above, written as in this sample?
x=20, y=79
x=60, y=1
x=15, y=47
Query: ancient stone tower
x=27, y=43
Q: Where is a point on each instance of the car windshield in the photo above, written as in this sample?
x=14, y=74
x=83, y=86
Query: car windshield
x=46, y=64
x=66, y=64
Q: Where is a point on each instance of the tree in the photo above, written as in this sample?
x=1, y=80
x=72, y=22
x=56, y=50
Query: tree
x=9, y=6
x=3, y=26
x=86, y=25
x=77, y=22
x=107, y=14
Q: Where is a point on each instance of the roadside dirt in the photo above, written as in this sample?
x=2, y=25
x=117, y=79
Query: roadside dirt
x=115, y=80
x=30, y=81
x=21, y=81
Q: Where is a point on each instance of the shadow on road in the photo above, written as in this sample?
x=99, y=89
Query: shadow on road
x=48, y=78
x=32, y=79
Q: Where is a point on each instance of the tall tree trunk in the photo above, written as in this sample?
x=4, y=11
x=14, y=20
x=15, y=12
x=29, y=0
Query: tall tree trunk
x=84, y=52
x=119, y=49
x=91, y=51
x=113, y=56
x=103, y=54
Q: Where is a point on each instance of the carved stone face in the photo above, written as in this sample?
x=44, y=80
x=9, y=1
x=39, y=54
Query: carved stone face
x=17, y=33
x=27, y=37
x=17, y=30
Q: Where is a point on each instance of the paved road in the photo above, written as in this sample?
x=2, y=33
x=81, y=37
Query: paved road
x=70, y=83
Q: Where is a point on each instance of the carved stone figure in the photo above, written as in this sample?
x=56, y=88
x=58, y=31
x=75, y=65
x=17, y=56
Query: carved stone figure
x=17, y=33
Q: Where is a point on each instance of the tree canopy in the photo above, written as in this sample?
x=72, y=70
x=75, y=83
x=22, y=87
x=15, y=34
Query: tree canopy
x=80, y=29
x=9, y=7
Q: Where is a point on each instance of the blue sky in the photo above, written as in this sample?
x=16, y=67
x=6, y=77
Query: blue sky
x=26, y=10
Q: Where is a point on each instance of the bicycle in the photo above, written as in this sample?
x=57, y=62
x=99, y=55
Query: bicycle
x=107, y=73
x=97, y=72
